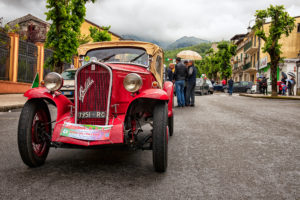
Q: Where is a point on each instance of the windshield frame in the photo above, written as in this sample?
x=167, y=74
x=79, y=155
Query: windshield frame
x=123, y=62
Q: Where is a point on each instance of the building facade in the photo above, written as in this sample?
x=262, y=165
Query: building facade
x=85, y=26
x=250, y=61
x=32, y=29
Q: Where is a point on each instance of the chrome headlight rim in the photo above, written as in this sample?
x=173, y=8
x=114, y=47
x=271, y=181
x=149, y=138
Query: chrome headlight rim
x=53, y=78
x=132, y=82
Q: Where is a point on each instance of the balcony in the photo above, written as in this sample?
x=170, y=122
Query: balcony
x=249, y=48
x=247, y=66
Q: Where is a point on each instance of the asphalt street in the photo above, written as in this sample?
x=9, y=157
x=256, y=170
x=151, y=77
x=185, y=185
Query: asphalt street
x=224, y=148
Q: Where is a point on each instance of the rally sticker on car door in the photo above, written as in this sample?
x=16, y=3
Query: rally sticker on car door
x=85, y=132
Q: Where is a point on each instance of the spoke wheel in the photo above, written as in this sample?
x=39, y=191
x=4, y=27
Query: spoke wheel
x=34, y=133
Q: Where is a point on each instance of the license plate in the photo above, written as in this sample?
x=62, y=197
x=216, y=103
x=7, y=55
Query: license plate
x=67, y=93
x=92, y=114
x=86, y=132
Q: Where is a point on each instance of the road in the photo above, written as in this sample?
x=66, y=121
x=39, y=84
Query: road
x=224, y=148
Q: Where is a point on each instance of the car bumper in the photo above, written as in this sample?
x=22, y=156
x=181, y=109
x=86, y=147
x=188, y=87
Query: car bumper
x=116, y=133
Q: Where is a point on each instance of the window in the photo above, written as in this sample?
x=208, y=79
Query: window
x=119, y=55
x=236, y=84
x=158, y=65
x=298, y=29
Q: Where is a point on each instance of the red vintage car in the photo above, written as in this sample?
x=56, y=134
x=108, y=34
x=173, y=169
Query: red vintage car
x=118, y=89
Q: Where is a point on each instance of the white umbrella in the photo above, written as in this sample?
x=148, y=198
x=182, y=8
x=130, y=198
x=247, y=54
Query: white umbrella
x=189, y=55
x=291, y=74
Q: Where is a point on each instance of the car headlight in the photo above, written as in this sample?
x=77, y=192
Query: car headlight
x=132, y=82
x=53, y=81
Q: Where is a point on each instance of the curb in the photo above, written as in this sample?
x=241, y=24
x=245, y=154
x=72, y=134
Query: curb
x=270, y=97
x=11, y=107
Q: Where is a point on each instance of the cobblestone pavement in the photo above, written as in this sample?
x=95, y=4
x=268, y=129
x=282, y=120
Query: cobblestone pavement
x=224, y=148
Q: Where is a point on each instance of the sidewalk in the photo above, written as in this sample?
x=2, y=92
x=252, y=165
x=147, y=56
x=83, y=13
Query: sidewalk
x=270, y=97
x=11, y=101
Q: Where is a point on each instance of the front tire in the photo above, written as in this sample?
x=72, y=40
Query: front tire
x=160, y=137
x=34, y=131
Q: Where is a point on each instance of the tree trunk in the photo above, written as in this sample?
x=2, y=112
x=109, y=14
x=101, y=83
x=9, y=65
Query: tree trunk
x=274, y=77
x=58, y=67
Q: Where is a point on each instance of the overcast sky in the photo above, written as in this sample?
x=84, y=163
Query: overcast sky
x=161, y=19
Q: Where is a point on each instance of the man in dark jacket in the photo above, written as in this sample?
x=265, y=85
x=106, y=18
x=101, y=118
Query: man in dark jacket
x=180, y=75
x=230, y=86
x=191, y=83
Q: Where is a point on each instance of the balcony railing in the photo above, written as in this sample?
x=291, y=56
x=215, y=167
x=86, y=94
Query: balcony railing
x=247, y=66
x=235, y=66
x=248, y=45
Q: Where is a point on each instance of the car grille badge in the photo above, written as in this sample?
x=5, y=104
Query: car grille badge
x=83, y=90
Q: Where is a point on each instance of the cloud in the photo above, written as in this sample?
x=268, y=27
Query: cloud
x=161, y=19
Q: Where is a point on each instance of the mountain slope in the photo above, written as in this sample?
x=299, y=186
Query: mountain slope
x=186, y=42
x=162, y=44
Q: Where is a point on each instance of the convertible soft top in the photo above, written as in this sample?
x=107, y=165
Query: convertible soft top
x=150, y=48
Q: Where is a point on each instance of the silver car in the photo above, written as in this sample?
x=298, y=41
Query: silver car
x=202, y=87
x=68, y=87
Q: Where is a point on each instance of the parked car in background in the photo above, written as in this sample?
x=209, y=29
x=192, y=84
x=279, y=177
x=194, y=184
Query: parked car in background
x=218, y=87
x=69, y=82
x=242, y=87
x=210, y=86
x=201, y=87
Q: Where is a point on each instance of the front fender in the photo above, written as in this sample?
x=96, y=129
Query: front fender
x=157, y=94
x=62, y=103
x=168, y=87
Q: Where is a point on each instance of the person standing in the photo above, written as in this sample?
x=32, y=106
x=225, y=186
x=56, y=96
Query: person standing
x=191, y=83
x=230, y=86
x=223, y=82
x=291, y=84
x=170, y=72
x=186, y=62
x=283, y=85
x=264, y=84
x=180, y=75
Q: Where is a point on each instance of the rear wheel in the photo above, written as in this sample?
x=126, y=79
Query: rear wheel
x=33, y=133
x=160, y=137
x=248, y=91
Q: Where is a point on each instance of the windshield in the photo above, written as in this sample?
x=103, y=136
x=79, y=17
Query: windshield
x=69, y=75
x=119, y=55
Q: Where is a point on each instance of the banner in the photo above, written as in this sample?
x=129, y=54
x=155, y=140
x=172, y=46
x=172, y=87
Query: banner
x=86, y=132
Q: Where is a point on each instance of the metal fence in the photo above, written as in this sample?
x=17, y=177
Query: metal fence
x=48, y=53
x=27, y=61
x=4, y=56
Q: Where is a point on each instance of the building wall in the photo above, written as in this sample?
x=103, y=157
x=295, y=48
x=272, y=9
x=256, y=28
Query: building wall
x=84, y=30
x=290, y=45
x=37, y=35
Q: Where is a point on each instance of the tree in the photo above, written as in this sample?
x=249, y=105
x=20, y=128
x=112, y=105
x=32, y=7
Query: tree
x=67, y=17
x=83, y=39
x=226, y=51
x=281, y=24
x=100, y=35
